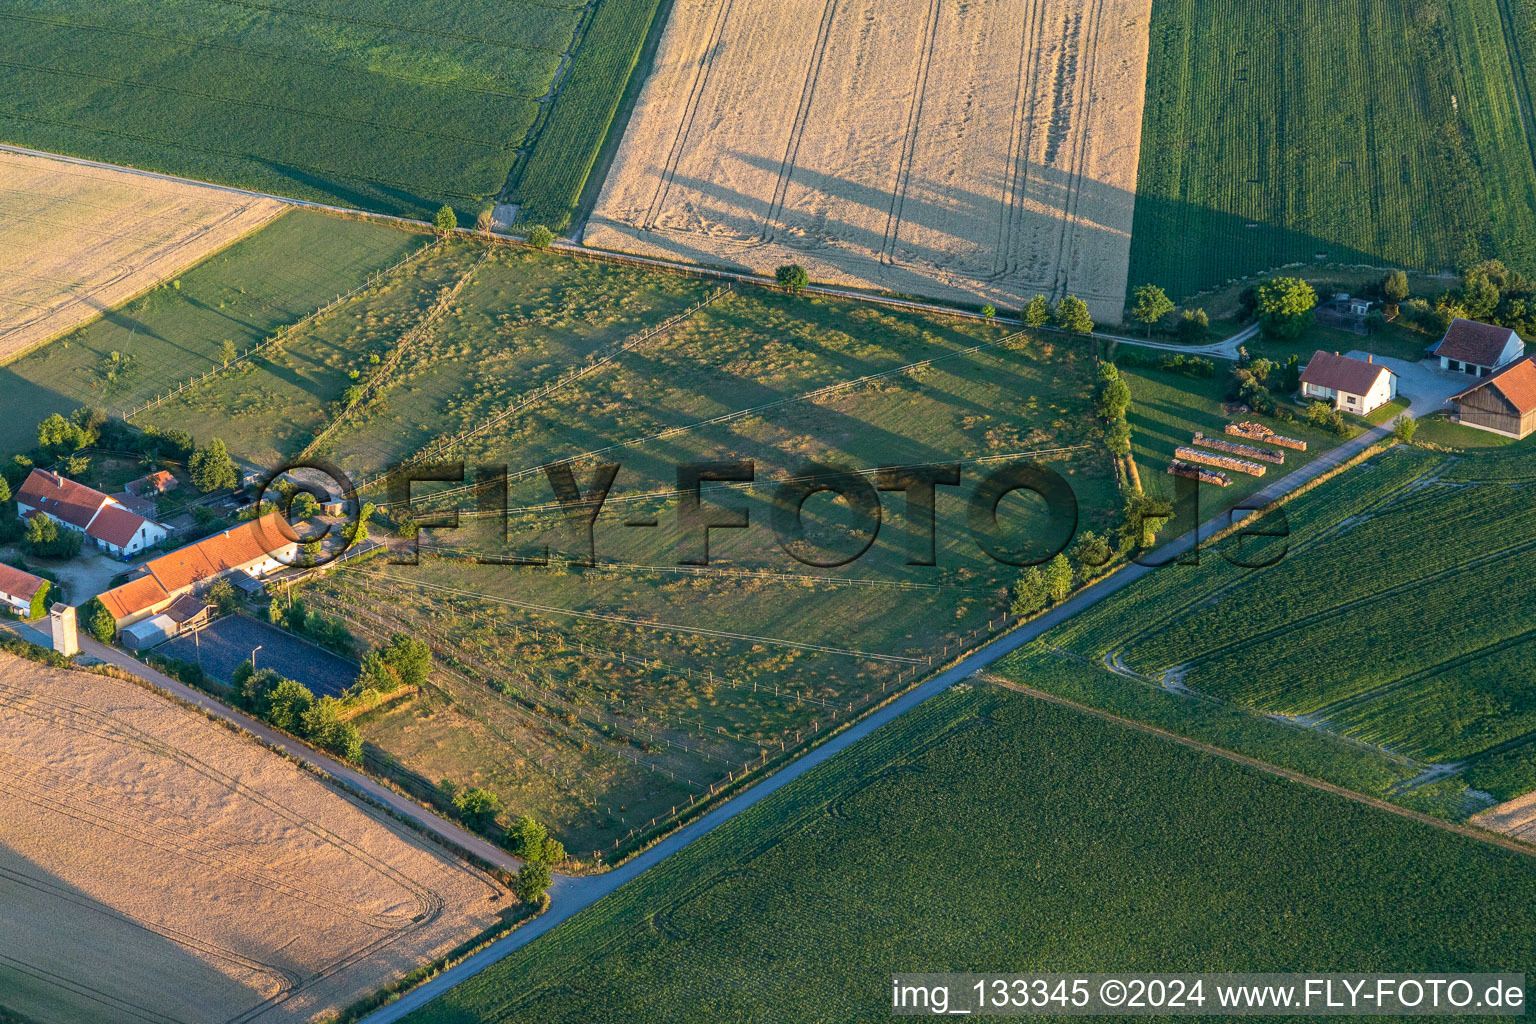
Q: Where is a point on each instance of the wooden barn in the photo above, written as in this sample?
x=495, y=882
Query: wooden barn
x=1505, y=403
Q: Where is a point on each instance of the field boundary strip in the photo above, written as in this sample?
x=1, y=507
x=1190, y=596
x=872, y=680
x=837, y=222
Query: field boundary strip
x=280, y=335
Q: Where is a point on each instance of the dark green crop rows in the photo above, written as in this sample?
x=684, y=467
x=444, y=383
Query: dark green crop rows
x=1346, y=130
x=388, y=105
x=989, y=831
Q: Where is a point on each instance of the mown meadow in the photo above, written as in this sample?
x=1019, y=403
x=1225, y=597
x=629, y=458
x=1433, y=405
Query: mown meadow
x=1347, y=131
x=386, y=106
x=987, y=828
x=241, y=295
x=675, y=677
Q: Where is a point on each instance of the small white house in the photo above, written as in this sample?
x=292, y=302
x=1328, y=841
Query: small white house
x=1477, y=349
x=1360, y=386
x=18, y=589
x=122, y=533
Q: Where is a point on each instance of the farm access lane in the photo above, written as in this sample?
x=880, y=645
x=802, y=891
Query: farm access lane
x=570, y=895
x=351, y=778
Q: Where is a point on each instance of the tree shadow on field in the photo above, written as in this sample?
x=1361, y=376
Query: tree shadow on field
x=388, y=199
x=125, y=961
x=1027, y=251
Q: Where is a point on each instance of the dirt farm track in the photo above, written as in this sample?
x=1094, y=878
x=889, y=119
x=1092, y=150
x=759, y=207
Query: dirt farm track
x=155, y=866
x=968, y=152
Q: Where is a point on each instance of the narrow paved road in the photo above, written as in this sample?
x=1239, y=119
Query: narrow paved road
x=570, y=895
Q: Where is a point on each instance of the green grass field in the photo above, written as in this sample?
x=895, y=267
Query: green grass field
x=274, y=277
x=1346, y=131
x=384, y=105
x=1167, y=408
x=697, y=671
x=988, y=831
x=1401, y=617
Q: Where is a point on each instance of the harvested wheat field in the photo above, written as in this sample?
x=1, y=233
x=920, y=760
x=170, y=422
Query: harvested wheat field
x=155, y=866
x=968, y=152
x=77, y=240
x=1515, y=817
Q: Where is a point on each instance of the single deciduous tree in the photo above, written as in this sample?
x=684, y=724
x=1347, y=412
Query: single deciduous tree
x=212, y=468
x=227, y=352
x=1395, y=286
x=1072, y=316
x=1404, y=427
x=1152, y=304
x=1038, y=313
x=792, y=277
x=1284, y=306
x=1058, y=578
x=540, y=237
x=533, y=882
x=446, y=220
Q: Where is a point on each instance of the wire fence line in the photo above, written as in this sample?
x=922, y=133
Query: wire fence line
x=380, y=377
x=718, y=634
x=711, y=487
x=593, y=364
x=281, y=334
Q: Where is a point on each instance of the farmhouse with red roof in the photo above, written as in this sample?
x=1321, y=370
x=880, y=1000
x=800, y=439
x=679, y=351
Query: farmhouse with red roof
x=256, y=548
x=1352, y=385
x=74, y=506
x=20, y=592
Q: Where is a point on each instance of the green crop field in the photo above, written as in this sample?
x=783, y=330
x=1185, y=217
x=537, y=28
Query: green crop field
x=550, y=182
x=383, y=105
x=1346, y=130
x=988, y=831
x=674, y=677
x=1402, y=617
x=272, y=278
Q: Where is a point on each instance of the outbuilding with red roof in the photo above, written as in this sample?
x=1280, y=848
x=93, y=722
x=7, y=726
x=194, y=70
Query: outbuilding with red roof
x=1505, y=403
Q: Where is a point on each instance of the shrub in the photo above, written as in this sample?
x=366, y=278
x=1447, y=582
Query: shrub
x=477, y=808
x=792, y=277
x=540, y=237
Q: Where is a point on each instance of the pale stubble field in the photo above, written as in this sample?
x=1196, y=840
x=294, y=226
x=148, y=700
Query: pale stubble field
x=77, y=240
x=155, y=866
x=977, y=153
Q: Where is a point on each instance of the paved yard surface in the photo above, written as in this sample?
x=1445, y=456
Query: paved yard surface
x=221, y=647
x=1424, y=384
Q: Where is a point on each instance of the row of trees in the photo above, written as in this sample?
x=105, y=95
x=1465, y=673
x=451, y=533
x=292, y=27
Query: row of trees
x=526, y=837
x=291, y=706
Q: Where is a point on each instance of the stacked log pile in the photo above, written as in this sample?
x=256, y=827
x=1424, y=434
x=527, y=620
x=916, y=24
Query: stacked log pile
x=1200, y=473
x=1259, y=432
x=1242, y=450
x=1220, y=461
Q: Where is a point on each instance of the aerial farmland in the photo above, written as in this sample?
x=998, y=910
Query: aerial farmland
x=823, y=134
x=690, y=510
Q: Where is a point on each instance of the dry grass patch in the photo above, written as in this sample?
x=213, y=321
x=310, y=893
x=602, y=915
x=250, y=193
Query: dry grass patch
x=972, y=153
x=76, y=240
x=155, y=866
